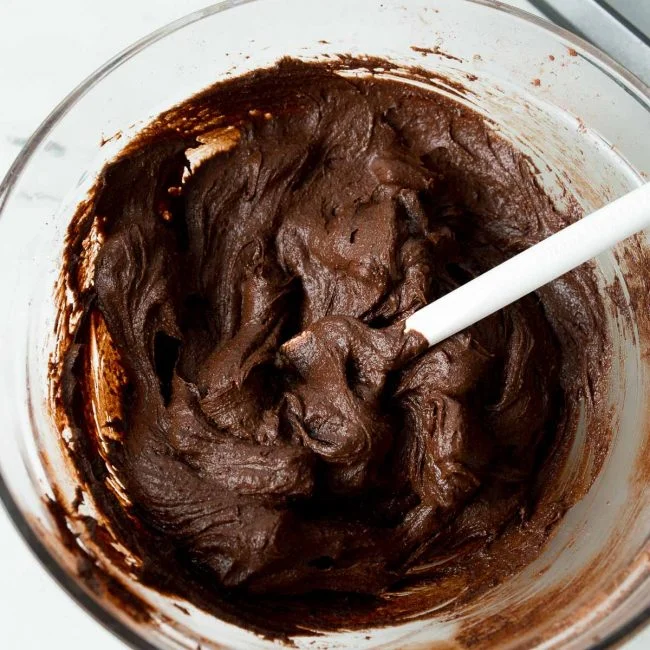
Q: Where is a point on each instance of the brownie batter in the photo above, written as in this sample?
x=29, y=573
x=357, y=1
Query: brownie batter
x=257, y=250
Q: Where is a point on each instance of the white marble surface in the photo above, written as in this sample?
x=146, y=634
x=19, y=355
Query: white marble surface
x=46, y=48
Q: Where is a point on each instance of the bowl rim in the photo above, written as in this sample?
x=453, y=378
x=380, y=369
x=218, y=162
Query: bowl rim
x=623, y=77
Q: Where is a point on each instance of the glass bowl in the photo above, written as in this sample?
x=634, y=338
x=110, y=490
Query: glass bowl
x=585, y=124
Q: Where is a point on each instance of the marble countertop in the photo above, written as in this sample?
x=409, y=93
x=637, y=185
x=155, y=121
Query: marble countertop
x=67, y=40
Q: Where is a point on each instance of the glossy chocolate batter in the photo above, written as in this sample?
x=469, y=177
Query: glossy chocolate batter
x=258, y=249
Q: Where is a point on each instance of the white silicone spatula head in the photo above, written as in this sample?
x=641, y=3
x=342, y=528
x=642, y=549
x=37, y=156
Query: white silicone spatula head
x=533, y=268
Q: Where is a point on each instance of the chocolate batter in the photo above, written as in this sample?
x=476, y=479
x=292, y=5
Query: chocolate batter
x=277, y=434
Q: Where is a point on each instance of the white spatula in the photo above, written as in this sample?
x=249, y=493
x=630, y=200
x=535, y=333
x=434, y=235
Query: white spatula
x=534, y=267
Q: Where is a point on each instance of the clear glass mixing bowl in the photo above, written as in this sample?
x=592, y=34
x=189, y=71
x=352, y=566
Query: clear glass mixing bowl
x=582, y=119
